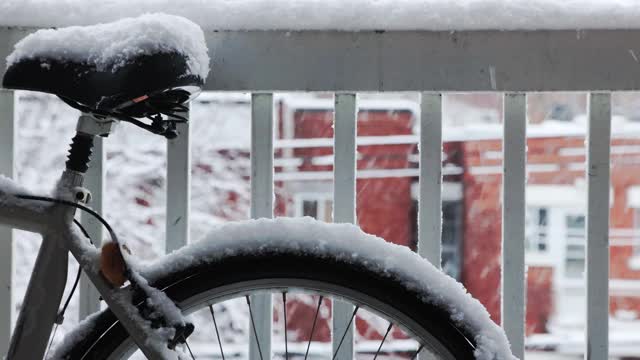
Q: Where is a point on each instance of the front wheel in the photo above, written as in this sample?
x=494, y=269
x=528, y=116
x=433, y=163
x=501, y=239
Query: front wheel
x=306, y=262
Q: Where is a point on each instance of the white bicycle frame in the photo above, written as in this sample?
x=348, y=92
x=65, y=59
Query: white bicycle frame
x=46, y=286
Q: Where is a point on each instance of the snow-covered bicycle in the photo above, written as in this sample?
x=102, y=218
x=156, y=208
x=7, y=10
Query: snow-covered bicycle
x=149, y=68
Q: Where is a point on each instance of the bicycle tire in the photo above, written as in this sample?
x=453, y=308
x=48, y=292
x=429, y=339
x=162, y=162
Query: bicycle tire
x=353, y=279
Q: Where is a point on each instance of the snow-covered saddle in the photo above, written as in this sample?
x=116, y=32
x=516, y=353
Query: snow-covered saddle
x=130, y=67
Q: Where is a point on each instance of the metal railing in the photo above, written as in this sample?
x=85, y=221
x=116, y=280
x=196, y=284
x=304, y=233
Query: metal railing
x=345, y=63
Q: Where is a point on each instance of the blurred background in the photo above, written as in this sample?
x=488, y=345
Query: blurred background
x=387, y=195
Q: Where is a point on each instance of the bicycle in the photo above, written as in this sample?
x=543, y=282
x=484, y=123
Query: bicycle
x=148, y=308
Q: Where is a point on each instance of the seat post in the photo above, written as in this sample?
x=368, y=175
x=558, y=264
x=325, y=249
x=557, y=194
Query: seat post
x=81, y=147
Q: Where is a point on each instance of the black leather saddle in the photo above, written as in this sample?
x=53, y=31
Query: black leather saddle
x=142, y=87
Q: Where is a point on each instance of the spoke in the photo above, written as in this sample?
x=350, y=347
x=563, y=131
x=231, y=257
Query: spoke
x=346, y=330
x=253, y=324
x=215, y=324
x=284, y=311
x=55, y=328
x=189, y=348
x=313, y=327
x=417, y=352
x=382, y=342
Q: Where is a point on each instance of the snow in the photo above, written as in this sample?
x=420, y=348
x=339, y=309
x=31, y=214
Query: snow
x=308, y=236
x=338, y=14
x=112, y=45
x=134, y=194
x=79, y=332
x=8, y=190
x=10, y=187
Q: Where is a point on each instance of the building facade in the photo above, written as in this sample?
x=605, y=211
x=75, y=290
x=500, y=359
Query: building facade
x=387, y=187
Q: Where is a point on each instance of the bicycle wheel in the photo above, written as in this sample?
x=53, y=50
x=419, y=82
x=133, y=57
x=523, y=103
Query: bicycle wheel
x=235, y=262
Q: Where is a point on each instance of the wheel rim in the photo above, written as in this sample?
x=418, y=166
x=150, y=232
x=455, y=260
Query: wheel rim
x=193, y=306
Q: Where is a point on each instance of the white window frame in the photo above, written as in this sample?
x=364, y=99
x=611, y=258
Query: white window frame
x=320, y=197
x=533, y=233
x=574, y=281
x=559, y=200
x=633, y=202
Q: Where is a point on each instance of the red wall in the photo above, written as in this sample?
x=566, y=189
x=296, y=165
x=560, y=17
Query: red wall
x=383, y=204
x=482, y=234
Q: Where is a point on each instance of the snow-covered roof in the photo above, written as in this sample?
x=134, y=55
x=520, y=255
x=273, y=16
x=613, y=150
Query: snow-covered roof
x=111, y=45
x=338, y=14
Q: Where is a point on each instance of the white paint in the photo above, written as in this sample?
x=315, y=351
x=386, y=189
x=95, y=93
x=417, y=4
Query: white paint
x=616, y=149
x=261, y=207
x=624, y=287
x=361, y=174
x=178, y=187
x=451, y=191
x=513, y=213
x=633, y=196
x=597, y=249
x=576, y=166
x=496, y=169
x=565, y=196
x=360, y=141
x=7, y=168
x=344, y=210
x=430, y=201
x=572, y=151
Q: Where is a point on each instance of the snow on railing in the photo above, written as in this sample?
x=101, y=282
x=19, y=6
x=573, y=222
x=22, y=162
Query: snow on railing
x=433, y=62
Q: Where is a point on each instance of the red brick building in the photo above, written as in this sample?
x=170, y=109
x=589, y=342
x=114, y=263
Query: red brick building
x=387, y=160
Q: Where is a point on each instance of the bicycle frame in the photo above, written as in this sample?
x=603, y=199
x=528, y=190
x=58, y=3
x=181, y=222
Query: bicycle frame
x=46, y=286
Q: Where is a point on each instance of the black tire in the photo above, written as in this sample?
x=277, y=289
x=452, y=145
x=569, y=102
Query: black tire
x=404, y=303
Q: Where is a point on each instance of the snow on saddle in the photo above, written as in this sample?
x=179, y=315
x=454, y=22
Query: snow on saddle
x=131, y=67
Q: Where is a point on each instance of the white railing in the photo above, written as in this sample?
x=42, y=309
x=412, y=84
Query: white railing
x=345, y=63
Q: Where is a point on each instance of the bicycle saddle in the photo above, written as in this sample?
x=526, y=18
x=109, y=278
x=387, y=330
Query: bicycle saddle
x=134, y=67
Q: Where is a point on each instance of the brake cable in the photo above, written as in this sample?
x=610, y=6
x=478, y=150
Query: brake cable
x=188, y=328
x=60, y=316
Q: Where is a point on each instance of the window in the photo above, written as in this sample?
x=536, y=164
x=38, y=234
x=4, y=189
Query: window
x=452, y=238
x=555, y=236
x=316, y=205
x=537, y=230
x=452, y=233
x=575, y=251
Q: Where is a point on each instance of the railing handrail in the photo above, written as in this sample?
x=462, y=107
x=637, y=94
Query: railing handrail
x=429, y=62
x=440, y=61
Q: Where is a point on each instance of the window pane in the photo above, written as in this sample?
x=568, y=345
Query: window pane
x=575, y=222
x=310, y=208
x=542, y=217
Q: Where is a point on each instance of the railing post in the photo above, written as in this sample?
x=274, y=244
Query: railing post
x=597, y=249
x=513, y=214
x=94, y=181
x=7, y=166
x=178, y=187
x=430, y=202
x=261, y=207
x=344, y=209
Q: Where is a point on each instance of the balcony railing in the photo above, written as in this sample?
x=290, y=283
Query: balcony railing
x=345, y=63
